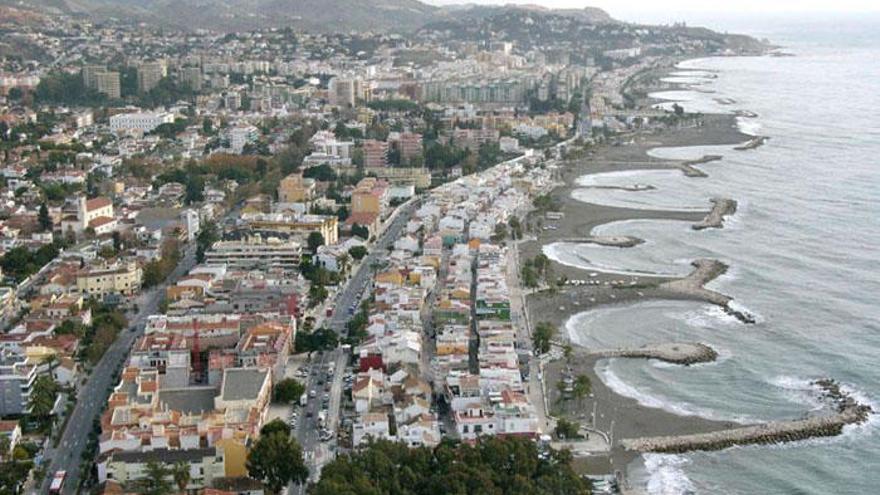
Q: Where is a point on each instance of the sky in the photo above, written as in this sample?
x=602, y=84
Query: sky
x=658, y=11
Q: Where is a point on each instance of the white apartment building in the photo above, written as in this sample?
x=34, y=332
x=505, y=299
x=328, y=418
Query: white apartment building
x=255, y=252
x=142, y=122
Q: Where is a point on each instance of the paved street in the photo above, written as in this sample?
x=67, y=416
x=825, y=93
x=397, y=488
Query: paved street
x=92, y=396
x=351, y=295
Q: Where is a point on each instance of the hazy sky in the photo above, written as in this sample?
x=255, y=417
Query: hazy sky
x=659, y=10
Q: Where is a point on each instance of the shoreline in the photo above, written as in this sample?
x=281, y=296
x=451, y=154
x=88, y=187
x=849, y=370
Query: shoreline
x=630, y=417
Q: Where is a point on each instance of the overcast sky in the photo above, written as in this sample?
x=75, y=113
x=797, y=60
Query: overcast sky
x=671, y=10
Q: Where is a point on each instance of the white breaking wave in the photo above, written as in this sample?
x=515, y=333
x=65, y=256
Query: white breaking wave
x=748, y=126
x=612, y=381
x=666, y=474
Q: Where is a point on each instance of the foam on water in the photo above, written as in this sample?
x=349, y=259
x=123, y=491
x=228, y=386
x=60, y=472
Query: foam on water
x=666, y=476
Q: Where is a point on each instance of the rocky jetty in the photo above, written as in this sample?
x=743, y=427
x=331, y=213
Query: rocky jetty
x=752, y=143
x=621, y=241
x=845, y=411
x=692, y=287
x=721, y=207
x=676, y=353
x=631, y=188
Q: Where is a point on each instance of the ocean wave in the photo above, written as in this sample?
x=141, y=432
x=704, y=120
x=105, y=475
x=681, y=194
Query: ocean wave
x=748, y=126
x=666, y=476
x=708, y=317
x=620, y=387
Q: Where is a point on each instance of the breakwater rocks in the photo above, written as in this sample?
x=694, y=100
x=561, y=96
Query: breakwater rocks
x=752, y=143
x=692, y=286
x=845, y=411
x=745, y=113
x=688, y=167
x=631, y=188
x=676, y=353
x=621, y=241
x=721, y=207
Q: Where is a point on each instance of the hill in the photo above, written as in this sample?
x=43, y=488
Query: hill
x=243, y=15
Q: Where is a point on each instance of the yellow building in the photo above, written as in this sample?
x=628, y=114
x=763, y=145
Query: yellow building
x=296, y=189
x=369, y=196
x=326, y=225
x=117, y=278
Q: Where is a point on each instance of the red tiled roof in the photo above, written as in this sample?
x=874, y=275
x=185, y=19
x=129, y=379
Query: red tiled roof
x=99, y=202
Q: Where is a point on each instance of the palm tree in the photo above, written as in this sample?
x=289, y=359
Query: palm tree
x=180, y=473
x=344, y=261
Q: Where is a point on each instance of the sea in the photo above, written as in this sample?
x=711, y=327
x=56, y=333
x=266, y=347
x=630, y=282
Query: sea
x=803, y=251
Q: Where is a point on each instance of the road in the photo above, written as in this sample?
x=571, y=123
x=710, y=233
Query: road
x=93, y=395
x=307, y=431
x=351, y=295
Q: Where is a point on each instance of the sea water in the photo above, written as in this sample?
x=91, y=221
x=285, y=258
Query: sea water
x=803, y=253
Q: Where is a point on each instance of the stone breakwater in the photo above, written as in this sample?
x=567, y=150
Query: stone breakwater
x=673, y=352
x=845, y=411
x=621, y=241
x=632, y=188
x=692, y=286
x=688, y=167
x=721, y=207
x=752, y=143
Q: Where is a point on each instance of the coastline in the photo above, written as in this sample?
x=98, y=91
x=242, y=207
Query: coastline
x=630, y=418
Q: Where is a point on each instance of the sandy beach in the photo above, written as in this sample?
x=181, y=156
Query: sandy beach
x=630, y=419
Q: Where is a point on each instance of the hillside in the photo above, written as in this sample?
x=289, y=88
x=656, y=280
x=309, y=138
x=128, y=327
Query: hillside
x=240, y=15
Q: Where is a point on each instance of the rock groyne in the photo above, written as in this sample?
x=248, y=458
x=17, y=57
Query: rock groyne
x=621, y=241
x=753, y=143
x=692, y=286
x=675, y=353
x=721, y=207
x=846, y=411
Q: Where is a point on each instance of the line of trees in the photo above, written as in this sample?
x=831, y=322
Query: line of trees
x=493, y=466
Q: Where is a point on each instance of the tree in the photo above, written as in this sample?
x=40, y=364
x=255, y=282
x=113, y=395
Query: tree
x=542, y=336
x=322, y=339
x=566, y=429
x=274, y=426
x=43, y=395
x=44, y=218
x=208, y=235
x=492, y=466
x=582, y=387
x=276, y=460
x=358, y=252
x=181, y=475
x=500, y=233
x=314, y=241
x=361, y=231
x=288, y=390
x=156, y=481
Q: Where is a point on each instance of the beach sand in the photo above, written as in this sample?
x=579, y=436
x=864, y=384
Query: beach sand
x=630, y=418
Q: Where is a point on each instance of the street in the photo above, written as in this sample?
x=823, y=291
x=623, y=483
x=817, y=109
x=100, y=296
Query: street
x=93, y=395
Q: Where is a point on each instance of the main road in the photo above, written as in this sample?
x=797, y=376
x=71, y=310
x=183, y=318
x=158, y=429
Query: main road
x=93, y=395
x=351, y=295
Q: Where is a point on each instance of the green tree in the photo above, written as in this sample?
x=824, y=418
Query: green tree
x=542, y=336
x=288, y=390
x=358, y=252
x=44, y=218
x=314, y=241
x=43, y=395
x=156, y=481
x=274, y=426
x=361, y=231
x=566, y=429
x=208, y=235
x=582, y=387
x=180, y=474
x=276, y=460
